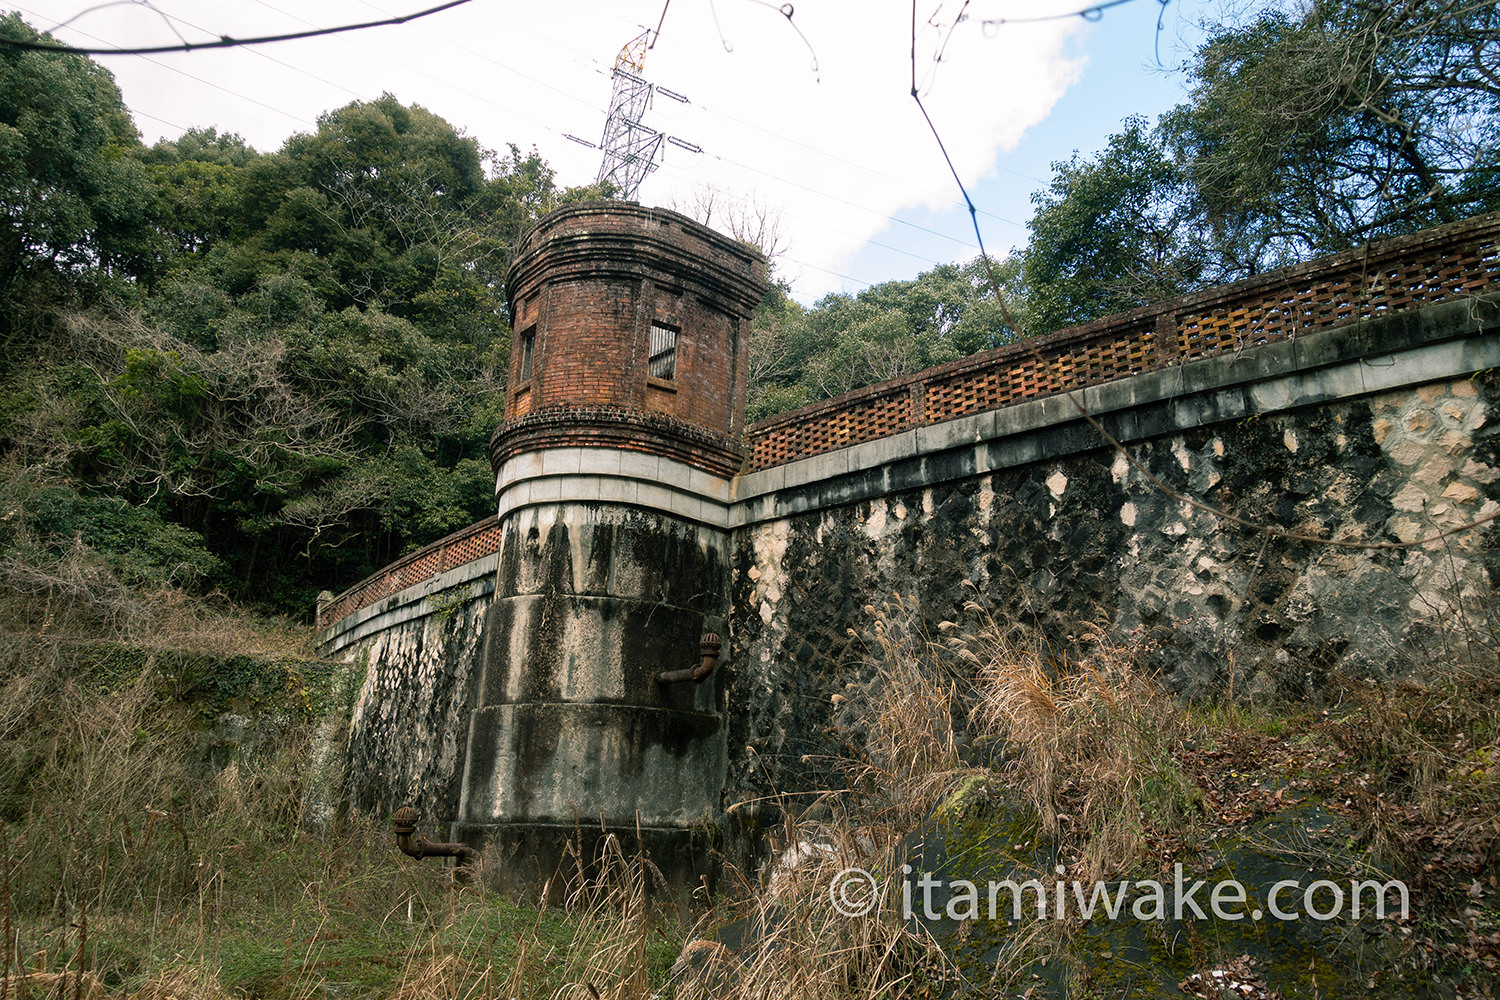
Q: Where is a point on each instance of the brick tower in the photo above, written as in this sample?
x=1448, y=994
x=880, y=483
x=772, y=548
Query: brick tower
x=623, y=428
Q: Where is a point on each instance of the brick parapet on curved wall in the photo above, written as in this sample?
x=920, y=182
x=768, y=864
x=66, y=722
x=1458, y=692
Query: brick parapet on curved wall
x=567, y=243
x=1433, y=266
x=478, y=540
x=1429, y=267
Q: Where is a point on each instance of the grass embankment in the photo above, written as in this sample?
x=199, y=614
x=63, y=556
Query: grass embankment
x=170, y=826
x=163, y=864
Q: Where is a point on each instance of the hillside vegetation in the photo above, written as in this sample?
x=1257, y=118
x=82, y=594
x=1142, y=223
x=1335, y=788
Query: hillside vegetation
x=231, y=378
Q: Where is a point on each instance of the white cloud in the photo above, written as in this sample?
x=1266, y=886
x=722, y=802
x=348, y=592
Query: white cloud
x=837, y=150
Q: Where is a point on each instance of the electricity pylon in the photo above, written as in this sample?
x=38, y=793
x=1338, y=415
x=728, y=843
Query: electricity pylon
x=629, y=146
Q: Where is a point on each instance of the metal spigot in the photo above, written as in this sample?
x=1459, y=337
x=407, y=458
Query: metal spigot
x=405, y=825
x=708, y=650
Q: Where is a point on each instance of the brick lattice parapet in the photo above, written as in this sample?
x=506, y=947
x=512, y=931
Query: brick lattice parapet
x=1436, y=265
x=478, y=540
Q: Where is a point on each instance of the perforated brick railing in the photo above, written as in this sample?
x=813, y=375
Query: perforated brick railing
x=1428, y=267
x=474, y=542
x=1432, y=266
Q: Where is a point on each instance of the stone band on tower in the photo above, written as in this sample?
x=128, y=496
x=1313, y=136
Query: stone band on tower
x=623, y=429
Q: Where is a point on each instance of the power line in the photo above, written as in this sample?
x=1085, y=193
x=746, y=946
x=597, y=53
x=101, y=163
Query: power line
x=142, y=114
x=280, y=62
x=224, y=41
x=446, y=81
x=592, y=64
x=1090, y=13
x=597, y=67
x=836, y=274
x=864, y=241
x=447, y=40
x=851, y=204
x=860, y=166
x=121, y=3
x=207, y=83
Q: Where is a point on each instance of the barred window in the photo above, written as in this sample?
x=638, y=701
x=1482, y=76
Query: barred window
x=661, y=362
x=528, y=349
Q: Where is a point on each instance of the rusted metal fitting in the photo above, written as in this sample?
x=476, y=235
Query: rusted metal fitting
x=708, y=649
x=405, y=825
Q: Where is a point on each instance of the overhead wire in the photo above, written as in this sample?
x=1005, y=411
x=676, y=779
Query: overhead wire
x=207, y=83
x=854, y=205
x=224, y=41
x=449, y=40
x=592, y=105
x=583, y=142
x=834, y=229
x=120, y=3
x=592, y=64
x=448, y=82
x=1093, y=12
x=270, y=58
x=860, y=166
x=1071, y=395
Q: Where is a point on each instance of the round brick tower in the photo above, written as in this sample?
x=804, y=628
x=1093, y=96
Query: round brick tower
x=623, y=430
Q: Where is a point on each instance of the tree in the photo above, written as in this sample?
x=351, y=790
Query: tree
x=750, y=221
x=1112, y=233
x=284, y=371
x=72, y=194
x=1321, y=125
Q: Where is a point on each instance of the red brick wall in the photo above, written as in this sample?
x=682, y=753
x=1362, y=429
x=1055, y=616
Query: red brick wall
x=586, y=346
x=592, y=279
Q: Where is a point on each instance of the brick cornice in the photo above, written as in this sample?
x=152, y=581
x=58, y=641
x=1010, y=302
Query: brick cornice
x=621, y=239
x=633, y=430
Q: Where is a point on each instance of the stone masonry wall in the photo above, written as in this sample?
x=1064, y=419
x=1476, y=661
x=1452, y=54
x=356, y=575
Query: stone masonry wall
x=411, y=715
x=1057, y=543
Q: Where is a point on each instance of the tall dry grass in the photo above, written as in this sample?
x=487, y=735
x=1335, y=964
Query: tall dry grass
x=1087, y=736
x=1082, y=739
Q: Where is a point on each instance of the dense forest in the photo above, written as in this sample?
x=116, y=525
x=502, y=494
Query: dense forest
x=265, y=374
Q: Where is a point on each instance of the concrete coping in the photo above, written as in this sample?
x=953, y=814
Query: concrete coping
x=469, y=581
x=1403, y=348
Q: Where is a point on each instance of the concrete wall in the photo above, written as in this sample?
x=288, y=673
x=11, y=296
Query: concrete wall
x=415, y=653
x=1377, y=432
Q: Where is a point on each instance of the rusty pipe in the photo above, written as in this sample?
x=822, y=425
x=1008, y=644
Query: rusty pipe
x=708, y=649
x=405, y=825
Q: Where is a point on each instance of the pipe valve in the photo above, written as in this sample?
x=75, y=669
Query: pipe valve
x=708, y=652
x=404, y=822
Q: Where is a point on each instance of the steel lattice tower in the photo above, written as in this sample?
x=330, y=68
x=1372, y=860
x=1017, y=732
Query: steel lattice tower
x=629, y=146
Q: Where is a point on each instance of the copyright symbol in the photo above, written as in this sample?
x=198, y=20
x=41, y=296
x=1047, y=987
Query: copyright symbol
x=854, y=892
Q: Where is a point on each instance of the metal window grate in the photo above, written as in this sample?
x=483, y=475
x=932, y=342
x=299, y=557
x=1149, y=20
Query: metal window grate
x=528, y=349
x=661, y=362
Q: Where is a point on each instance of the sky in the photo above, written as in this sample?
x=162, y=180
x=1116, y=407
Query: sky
x=805, y=120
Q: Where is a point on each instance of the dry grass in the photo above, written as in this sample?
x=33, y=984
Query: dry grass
x=182, y=982
x=1089, y=739
x=1086, y=743
x=79, y=598
x=62, y=591
x=911, y=753
x=614, y=923
x=192, y=882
